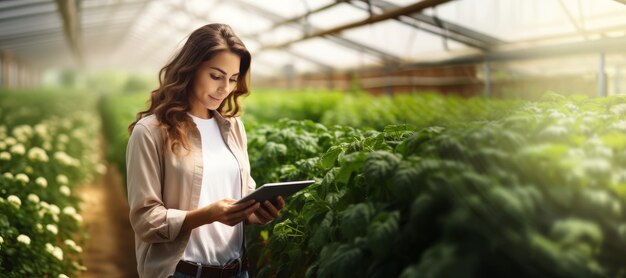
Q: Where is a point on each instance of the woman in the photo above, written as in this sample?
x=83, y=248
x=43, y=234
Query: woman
x=187, y=164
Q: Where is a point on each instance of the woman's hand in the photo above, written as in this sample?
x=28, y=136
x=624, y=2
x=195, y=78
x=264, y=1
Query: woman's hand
x=267, y=212
x=223, y=211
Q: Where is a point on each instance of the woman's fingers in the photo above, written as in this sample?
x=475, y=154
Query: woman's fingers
x=271, y=209
x=263, y=215
x=281, y=202
x=238, y=215
x=242, y=206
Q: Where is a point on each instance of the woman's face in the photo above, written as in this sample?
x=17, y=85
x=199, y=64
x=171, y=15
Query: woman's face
x=215, y=79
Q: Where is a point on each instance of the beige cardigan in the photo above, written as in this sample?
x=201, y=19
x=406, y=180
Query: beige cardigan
x=162, y=187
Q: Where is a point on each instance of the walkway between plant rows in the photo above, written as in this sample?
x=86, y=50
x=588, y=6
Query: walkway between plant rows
x=109, y=250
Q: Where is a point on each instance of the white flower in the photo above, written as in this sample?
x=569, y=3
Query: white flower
x=63, y=138
x=73, y=245
x=3, y=145
x=1, y=240
x=41, y=130
x=37, y=154
x=5, y=156
x=14, y=200
x=54, y=209
x=52, y=228
x=78, y=218
x=79, y=134
x=23, y=239
x=33, y=198
x=69, y=211
x=39, y=227
x=45, y=205
x=65, y=190
x=55, y=251
x=63, y=276
x=47, y=146
x=78, y=266
x=49, y=247
x=62, y=179
x=70, y=243
x=58, y=253
x=8, y=175
x=23, y=178
x=18, y=149
x=41, y=181
x=23, y=132
x=66, y=159
x=10, y=141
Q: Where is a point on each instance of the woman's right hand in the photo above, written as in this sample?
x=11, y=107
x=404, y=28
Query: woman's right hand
x=227, y=212
x=223, y=211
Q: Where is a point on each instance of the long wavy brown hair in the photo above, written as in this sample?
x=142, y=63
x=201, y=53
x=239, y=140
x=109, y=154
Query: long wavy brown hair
x=170, y=102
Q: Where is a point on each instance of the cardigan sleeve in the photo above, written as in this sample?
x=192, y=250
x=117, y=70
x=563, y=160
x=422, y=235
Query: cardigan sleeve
x=150, y=219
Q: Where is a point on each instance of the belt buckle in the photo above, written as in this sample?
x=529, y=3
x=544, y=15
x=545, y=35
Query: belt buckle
x=223, y=268
x=199, y=269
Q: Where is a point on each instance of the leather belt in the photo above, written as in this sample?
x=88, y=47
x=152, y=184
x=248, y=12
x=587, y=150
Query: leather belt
x=229, y=270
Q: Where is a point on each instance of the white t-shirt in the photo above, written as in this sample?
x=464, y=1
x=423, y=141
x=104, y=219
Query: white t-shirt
x=216, y=243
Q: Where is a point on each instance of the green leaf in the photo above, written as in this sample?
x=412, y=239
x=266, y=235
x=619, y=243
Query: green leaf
x=322, y=234
x=350, y=163
x=405, y=181
x=381, y=232
x=330, y=157
x=379, y=166
x=340, y=261
x=355, y=219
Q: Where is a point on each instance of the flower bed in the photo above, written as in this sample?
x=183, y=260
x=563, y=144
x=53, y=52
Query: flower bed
x=48, y=146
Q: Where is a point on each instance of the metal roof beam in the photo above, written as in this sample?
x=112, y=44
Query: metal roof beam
x=414, y=8
x=16, y=5
x=30, y=26
x=52, y=34
x=442, y=27
x=278, y=22
x=68, y=10
x=333, y=38
x=308, y=59
x=435, y=30
x=38, y=10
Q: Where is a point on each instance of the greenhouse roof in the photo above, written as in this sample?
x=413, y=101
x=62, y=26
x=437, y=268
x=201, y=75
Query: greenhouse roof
x=311, y=35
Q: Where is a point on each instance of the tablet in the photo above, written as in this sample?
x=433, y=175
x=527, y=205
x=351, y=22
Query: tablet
x=270, y=191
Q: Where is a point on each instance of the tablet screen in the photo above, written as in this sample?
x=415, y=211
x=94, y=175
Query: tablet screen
x=270, y=191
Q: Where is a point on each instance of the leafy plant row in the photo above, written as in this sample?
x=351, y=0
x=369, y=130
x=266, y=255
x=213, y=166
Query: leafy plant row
x=539, y=193
x=48, y=145
x=365, y=111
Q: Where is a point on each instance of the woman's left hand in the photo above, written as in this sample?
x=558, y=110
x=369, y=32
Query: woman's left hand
x=267, y=211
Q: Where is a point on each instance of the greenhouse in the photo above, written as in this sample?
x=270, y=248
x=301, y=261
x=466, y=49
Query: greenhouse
x=443, y=138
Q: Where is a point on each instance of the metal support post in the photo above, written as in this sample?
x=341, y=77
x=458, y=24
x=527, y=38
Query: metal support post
x=601, y=76
x=487, y=79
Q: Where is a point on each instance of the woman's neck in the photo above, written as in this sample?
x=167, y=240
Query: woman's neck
x=201, y=113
